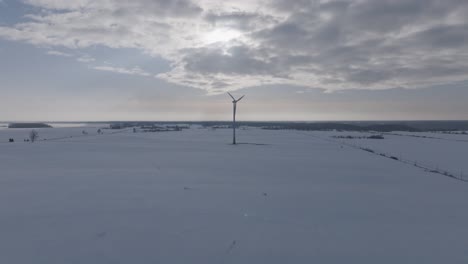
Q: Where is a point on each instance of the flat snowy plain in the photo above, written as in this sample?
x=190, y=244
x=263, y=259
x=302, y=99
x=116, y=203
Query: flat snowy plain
x=191, y=197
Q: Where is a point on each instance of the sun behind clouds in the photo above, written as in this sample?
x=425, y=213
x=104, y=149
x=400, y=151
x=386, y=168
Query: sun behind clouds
x=220, y=35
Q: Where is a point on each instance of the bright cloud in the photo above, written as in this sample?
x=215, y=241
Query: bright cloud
x=86, y=58
x=59, y=53
x=131, y=71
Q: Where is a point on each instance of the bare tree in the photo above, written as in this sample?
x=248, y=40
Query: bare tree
x=33, y=135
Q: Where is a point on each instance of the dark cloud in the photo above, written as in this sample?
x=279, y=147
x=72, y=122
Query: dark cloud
x=333, y=44
x=295, y=6
x=238, y=60
x=386, y=15
x=371, y=43
x=285, y=35
x=245, y=21
x=441, y=37
x=178, y=8
x=123, y=7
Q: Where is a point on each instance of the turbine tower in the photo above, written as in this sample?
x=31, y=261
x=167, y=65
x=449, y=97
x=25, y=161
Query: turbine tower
x=234, y=105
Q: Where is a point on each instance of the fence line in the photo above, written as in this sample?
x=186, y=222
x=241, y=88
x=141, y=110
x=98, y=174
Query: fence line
x=421, y=165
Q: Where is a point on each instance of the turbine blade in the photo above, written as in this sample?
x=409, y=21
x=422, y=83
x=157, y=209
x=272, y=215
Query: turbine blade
x=240, y=98
x=231, y=96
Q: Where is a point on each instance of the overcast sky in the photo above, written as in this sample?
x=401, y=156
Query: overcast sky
x=175, y=59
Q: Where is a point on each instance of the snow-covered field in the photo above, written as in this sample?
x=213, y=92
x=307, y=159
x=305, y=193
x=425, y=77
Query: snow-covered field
x=443, y=151
x=191, y=197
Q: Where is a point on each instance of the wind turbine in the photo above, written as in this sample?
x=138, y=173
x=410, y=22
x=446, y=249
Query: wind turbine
x=234, y=105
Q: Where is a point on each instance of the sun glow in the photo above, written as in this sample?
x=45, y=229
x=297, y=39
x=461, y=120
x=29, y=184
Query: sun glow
x=220, y=35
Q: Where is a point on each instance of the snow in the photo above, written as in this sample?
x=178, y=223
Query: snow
x=446, y=152
x=191, y=197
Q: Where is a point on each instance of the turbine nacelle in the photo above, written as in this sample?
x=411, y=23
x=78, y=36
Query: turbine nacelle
x=234, y=99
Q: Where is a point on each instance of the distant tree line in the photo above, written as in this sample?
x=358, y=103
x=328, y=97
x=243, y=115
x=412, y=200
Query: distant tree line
x=29, y=125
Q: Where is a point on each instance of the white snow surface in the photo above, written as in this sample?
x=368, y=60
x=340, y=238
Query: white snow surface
x=442, y=151
x=191, y=197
